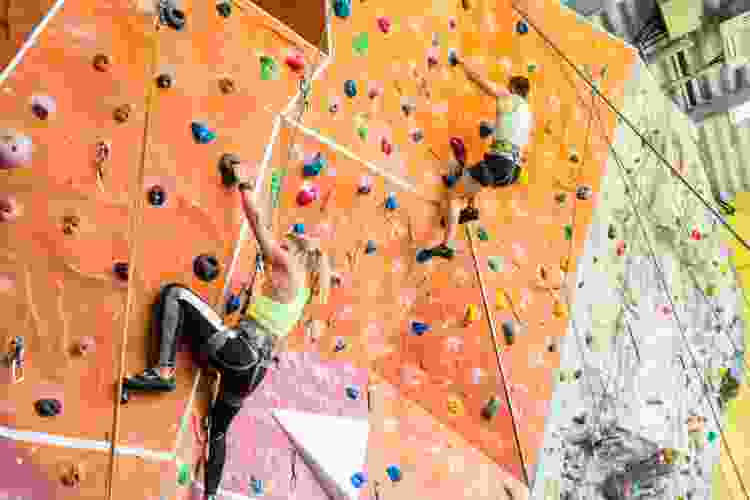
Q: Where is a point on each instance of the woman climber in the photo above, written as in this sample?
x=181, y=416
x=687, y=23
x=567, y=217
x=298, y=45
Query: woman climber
x=242, y=353
x=501, y=164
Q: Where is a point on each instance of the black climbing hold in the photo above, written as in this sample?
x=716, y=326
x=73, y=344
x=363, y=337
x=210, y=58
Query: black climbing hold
x=164, y=81
x=522, y=28
x=578, y=374
x=233, y=303
x=157, y=196
x=580, y=419
x=485, y=129
x=224, y=9
x=121, y=270
x=611, y=233
x=124, y=396
x=206, y=267
x=171, y=15
x=48, y=407
x=228, y=169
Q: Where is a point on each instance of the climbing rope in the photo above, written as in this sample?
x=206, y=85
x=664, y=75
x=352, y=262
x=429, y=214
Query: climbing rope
x=133, y=236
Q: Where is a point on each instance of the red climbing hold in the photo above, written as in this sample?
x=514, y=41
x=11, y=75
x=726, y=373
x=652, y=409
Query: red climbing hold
x=307, y=195
x=696, y=235
x=384, y=24
x=295, y=62
x=621, y=249
x=386, y=146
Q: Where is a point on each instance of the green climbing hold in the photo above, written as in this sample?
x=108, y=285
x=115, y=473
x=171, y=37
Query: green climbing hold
x=361, y=44
x=482, y=234
x=269, y=70
x=560, y=198
x=532, y=67
x=711, y=436
x=495, y=264
x=183, y=476
x=362, y=132
x=568, y=231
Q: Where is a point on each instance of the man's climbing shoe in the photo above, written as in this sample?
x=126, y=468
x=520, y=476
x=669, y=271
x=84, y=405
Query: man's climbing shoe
x=443, y=251
x=150, y=380
x=210, y=497
x=468, y=214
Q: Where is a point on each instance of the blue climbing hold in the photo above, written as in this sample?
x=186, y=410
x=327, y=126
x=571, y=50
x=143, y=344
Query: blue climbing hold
x=371, y=247
x=419, y=329
x=342, y=8
x=394, y=473
x=298, y=228
x=391, y=203
x=202, y=134
x=522, y=28
x=256, y=486
x=359, y=479
x=424, y=255
x=314, y=167
x=352, y=392
x=350, y=88
x=233, y=303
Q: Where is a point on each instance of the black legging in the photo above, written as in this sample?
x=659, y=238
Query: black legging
x=241, y=354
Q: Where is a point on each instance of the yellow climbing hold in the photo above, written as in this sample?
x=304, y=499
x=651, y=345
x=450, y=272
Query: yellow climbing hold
x=501, y=300
x=472, y=314
x=523, y=179
x=455, y=406
x=564, y=264
x=559, y=309
x=711, y=290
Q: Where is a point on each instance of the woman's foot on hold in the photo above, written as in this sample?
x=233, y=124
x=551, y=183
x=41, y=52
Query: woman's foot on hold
x=151, y=380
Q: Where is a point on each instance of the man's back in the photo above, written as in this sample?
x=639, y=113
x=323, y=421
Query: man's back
x=513, y=126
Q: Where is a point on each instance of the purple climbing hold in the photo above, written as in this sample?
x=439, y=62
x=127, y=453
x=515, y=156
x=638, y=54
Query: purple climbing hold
x=206, y=267
x=121, y=270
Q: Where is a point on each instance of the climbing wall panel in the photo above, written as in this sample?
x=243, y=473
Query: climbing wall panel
x=60, y=287
x=200, y=213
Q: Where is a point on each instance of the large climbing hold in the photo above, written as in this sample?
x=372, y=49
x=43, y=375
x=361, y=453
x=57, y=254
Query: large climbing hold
x=384, y=24
x=201, y=133
x=206, y=267
x=342, y=8
x=15, y=150
x=314, y=165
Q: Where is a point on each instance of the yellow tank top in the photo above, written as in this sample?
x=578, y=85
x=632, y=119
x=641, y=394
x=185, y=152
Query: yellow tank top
x=279, y=319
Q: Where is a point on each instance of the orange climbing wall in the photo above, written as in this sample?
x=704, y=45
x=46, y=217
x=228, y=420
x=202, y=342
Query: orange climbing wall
x=525, y=223
x=58, y=288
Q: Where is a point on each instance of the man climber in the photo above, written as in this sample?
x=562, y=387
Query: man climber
x=501, y=164
x=241, y=353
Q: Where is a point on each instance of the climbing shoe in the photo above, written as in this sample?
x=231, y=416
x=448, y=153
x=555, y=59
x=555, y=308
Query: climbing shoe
x=443, y=251
x=468, y=214
x=150, y=380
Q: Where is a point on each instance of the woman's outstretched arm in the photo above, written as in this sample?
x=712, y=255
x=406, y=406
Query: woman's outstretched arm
x=268, y=245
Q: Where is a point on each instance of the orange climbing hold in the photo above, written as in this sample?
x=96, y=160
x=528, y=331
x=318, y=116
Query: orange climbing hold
x=559, y=309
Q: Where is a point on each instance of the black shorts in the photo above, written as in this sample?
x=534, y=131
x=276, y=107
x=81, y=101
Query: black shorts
x=495, y=171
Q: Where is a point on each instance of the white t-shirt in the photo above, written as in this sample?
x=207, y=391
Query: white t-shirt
x=515, y=126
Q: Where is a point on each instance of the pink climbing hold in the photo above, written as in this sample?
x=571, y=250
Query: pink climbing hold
x=459, y=149
x=295, y=62
x=432, y=58
x=86, y=346
x=384, y=24
x=8, y=209
x=15, y=150
x=307, y=194
x=452, y=23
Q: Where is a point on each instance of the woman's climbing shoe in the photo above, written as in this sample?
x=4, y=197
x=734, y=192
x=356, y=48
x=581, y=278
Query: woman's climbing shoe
x=150, y=380
x=443, y=251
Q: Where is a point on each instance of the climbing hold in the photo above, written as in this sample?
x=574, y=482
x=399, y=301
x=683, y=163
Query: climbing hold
x=531, y=67
x=298, y=228
x=552, y=346
x=183, y=475
x=352, y=392
x=371, y=247
x=42, y=106
x=523, y=178
x=102, y=62
x=390, y=202
x=491, y=408
x=501, y=300
x=408, y=108
x=452, y=24
x=157, y=197
x=455, y=406
x=361, y=43
x=228, y=169
x=564, y=264
x=509, y=332
x=122, y=113
x=452, y=57
x=459, y=149
x=559, y=309
x=432, y=58
x=394, y=473
x=206, y=267
x=226, y=85
x=124, y=395
x=121, y=270
x=621, y=246
x=466, y=4
x=485, y=129
x=233, y=303
x=256, y=486
x=333, y=108
x=711, y=436
x=8, y=209
x=342, y=8
x=584, y=193
x=710, y=290
x=696, y=235
x=424, y=255
x=171, y=15
x=72, y=476
x=350, y=88
x=611, y=232
x=573, y=156
x=386, y=147
x=482, y=234
x=472, y=314
x=495, y=264
x=568, y=231
x=522, y=28
x=340, y=344
x=224, y=8
x=295, y=61
x=307, y=194
x=362, y=132
x=201, y=133
x=48, y=407
x=384, y=24
x=70, y=223
x=164, y=81
x=313, y=166
x=269, y=70
x=358, y=479
x=560, y=198
x=374, y=91
x=419, y=328
x=365, y=185
x=85, y=346
x=417, y=136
